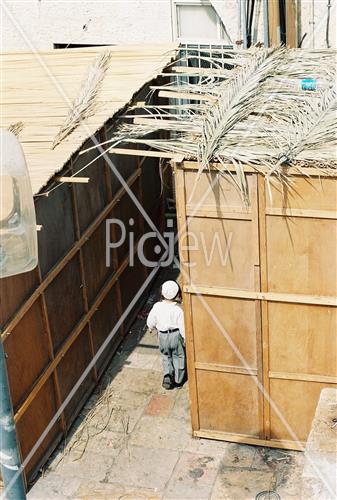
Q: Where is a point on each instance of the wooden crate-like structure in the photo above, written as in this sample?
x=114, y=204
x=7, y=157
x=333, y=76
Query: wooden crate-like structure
x=261, y=322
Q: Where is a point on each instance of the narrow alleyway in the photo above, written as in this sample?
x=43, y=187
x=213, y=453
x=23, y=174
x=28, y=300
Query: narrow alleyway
x=133, y=440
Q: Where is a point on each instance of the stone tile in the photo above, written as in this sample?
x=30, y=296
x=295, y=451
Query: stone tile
x=160, y=405
x=124, y=419
x=157, y=365
x=207, y=446
x=241, y=484
x=238, y=455
x=143, y=467
x=193, y=477
x=272, y=458
x=131, y=379
x=54, y=486
x=141, y=360
x=181, y=409
x=160, y=432
x=289, y=480
x=91, y=490
x=90, y=466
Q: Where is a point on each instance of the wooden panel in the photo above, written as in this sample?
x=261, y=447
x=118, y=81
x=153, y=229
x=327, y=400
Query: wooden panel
x=103, y=321
x=127, y=212
x=33, y=423
x=63, y=291
x=297, y=402
x=302, y=339
x=96, y=271
x=275, y=298
x=215, y=190
x=27, y=351
x=302, y=255
x=237, y=317
x=228, y=402
x=54, y=213
x=14, y=290
x=309, y=193
x=132, y=280
x=91, y=198
x=235, y=252
x=69, y=371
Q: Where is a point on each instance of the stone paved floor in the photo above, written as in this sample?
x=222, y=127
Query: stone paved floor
x=133, y=441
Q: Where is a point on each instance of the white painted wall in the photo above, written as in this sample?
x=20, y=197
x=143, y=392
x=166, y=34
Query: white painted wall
x=38, y=24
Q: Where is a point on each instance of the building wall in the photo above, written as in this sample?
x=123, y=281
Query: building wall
x=38, y=24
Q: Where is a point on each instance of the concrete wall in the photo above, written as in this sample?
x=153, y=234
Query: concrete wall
x=39, y=24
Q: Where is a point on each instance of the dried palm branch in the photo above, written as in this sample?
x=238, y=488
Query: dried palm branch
x=313, y=129
x=16, y=128
x=85, y=104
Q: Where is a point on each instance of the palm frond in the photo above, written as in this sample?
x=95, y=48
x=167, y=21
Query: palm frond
x=85, y=103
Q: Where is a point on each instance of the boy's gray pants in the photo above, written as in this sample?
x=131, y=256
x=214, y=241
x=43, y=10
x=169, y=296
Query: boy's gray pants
x=172, y=350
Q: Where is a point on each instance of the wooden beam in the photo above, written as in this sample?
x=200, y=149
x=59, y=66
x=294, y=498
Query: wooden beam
x=305, y=377
x=200, y=71
x=291, y=23
x=74, y=179
x=244, y=439
x=216, y=367
x=299, y=212
x=85, y=299
x=145, y=152
x=274, y=22
x=186, y=95
x=267, y=296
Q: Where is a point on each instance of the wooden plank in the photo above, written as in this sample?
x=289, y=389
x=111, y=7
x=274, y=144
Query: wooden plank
x=261, y=192
x=115, y=261
x=243, y=439
x=51, y=354
x=186, y=95
x=297, y=212
x=304, y=171
x=291, y=23
x=266, y=296
x=303, y=377
x=73, y=179
x=184, y=258
x=145, y=152
x=58, y=267
x=235, y=213
x=274, y=22
x=225, y=368
x=82, y=272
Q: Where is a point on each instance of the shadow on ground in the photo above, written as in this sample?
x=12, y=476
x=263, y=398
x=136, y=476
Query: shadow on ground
x=133, y=440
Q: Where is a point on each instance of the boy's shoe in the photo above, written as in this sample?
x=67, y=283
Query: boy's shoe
x=167, y=382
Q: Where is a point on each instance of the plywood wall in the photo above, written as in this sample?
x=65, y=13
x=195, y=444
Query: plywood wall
x=261, y=319
x=55, y=318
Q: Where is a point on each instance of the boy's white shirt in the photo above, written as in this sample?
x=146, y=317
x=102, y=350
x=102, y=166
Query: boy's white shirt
x=165, y=315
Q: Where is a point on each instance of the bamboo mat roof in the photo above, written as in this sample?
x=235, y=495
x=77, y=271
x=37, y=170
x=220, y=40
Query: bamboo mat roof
x=38, y=89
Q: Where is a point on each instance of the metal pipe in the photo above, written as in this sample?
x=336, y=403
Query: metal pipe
x=9, y=452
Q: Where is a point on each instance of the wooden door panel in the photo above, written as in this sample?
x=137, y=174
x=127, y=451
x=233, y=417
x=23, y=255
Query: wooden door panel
x=232, y=263
x=228, y=402
x=302, y=255
x=238, y=320
x=296, y=401
x=302, y=339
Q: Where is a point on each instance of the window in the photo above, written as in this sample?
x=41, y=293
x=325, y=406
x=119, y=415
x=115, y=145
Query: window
x=195, y=20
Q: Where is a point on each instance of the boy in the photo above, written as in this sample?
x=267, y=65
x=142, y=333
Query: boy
x=168, y=318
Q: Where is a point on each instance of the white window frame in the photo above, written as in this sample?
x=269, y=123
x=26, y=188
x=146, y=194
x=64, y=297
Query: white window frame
x=175, y=19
